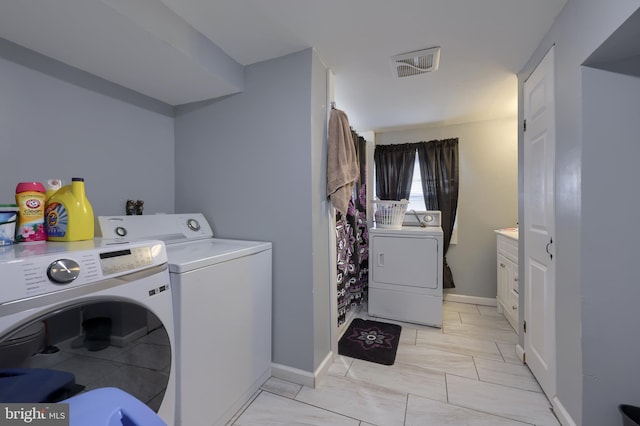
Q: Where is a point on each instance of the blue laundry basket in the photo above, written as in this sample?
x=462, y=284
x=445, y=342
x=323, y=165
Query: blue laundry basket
x=110, y=407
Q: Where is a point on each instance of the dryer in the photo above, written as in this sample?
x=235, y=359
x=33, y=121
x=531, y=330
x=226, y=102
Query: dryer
x=222, y=301
x=405, y=274
x=50, y=290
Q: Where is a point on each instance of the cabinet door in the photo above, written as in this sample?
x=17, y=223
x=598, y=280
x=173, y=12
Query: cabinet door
x=507, y=294
x=511, y=296
x=513, y=308
x=503, y=282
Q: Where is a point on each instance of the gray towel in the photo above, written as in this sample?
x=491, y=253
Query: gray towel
x=342, y=162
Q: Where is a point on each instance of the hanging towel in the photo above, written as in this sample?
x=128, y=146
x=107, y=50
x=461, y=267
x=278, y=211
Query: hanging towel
x=342, y=162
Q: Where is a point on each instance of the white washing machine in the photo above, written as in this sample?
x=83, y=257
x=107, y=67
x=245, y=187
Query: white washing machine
x=405, y=274
x=50, y=291
x=222, y=301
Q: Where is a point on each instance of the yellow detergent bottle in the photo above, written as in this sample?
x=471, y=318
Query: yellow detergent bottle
x=69, y=215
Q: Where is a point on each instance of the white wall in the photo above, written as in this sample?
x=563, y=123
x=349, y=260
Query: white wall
x=253, y=164
x=579, y=29
x=487, y=198
x=57, y=122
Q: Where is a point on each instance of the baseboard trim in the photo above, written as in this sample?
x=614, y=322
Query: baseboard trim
x=520, y=353
x=474, y=300
x=302, y=377
x=561, y=413
x=293, y=375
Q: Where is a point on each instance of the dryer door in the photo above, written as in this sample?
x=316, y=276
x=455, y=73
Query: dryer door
x=406, y=261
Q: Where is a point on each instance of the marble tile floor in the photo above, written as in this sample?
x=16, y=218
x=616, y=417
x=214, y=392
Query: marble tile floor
x=466, y=373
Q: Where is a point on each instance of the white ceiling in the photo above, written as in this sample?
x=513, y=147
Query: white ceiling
x=180, y=51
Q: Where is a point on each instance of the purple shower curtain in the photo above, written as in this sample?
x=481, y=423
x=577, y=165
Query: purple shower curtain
x=352, y=241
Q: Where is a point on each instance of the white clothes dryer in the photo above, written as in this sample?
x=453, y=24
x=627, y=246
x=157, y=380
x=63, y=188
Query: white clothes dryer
x=51, y=291
x=405, y=274
x=222, y=301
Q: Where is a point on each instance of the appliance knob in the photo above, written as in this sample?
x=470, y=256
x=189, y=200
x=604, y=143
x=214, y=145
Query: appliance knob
x=193, y=225
x=120, y=231
x=63, y=271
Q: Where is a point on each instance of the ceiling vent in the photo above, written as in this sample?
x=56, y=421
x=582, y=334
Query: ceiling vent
x=414, y=63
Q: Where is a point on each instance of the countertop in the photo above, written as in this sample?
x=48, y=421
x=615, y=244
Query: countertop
x=508, y=232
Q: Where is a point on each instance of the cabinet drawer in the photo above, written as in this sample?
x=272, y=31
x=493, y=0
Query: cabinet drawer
x=508, y=247
x=514, y=280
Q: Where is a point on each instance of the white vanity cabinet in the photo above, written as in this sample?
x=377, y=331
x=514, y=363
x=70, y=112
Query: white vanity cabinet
x=507, y=274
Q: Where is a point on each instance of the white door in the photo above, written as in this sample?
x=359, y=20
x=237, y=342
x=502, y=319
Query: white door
x=539, y=224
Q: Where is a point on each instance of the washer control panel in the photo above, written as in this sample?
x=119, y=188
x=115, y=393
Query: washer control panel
x=170, y=228
x=30, y=270
x=126, y=260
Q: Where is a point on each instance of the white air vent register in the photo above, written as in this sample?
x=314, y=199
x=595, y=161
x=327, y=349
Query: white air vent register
x=415, y=63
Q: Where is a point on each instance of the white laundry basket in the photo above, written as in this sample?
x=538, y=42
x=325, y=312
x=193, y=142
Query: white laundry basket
x=389, y=213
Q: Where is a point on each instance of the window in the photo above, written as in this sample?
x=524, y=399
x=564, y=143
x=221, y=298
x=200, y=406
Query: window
x=416, y=198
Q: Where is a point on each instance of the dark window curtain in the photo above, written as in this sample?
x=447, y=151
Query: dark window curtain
x=439, y=174
x=394, y=170
x=353, y=242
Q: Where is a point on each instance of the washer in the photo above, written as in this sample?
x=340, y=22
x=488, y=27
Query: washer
x=222, y=302
x=405, y=267
x=51, y=289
